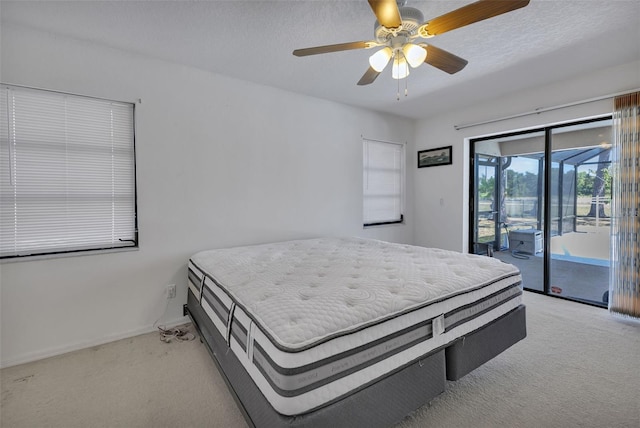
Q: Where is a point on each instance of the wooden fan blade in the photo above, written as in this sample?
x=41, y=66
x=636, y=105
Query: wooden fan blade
x=331, y=48
x=474, y=12
x=387, y=12
x=445, y=61
x=368, y=77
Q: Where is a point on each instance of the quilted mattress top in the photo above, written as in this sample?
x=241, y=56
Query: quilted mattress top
x=303, y=291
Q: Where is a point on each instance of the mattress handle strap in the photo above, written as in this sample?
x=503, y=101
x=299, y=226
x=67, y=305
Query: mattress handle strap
x=438, y=325
x=202, y=287
x=229, y=321
x=250, y=341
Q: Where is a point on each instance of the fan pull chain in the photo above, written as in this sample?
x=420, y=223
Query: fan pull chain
x=406, y=89
x=398, y=65
x=406, y=83
x=406, y=79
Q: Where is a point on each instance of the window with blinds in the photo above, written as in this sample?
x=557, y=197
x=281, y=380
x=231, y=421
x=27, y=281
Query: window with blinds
x=67, y=173
x=383, y=182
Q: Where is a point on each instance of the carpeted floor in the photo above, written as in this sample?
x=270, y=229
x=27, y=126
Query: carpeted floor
x=578, y=367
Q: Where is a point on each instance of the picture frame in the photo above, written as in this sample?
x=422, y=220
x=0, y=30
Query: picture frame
x=435, y=157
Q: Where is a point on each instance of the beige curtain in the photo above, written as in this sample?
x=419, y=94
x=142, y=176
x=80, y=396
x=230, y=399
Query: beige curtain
x=624, y=293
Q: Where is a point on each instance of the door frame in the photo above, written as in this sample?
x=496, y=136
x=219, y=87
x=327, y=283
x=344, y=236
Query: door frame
x=546, y=225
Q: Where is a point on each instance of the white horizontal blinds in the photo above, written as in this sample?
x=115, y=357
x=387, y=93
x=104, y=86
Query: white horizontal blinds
x=383, y=181
x=67, y=177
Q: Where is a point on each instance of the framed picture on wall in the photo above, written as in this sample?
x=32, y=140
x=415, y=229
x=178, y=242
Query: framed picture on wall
x=435, y=157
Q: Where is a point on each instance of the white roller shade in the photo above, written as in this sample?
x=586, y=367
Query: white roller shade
x=67, y=173
x=383, y=167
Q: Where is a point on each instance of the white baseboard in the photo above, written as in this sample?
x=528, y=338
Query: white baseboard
x=52, y=352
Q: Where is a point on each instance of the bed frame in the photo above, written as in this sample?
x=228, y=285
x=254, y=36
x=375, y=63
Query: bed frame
x=380, y=403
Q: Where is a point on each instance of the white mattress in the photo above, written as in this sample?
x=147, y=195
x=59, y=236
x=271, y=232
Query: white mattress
x=314, y=320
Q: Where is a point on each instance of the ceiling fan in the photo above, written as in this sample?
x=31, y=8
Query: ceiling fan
x=398, y=27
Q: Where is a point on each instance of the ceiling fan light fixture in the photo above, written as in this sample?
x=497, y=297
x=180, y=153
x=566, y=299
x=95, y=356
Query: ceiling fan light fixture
x=414, y=54
x=379, y=60
x=396, y=29
x=400, y=68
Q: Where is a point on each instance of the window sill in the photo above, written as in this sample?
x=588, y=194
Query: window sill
x=375, y=225
x=65, y=255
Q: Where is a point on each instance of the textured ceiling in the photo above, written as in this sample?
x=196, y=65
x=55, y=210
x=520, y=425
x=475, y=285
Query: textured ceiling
x=252, y=40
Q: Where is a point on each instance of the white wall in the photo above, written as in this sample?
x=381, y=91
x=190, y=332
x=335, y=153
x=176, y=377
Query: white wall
x=220, y=162
x=442, y=193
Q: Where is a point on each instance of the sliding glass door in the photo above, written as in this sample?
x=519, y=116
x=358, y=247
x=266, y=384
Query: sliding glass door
x=487, y=233
x=568, y=255
x=581, y=211
x=511, y=198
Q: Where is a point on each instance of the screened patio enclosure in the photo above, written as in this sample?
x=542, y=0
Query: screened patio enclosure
x=524, y=210
x=521, y=210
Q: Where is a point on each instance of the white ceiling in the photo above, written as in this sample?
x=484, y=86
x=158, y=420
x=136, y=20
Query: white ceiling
x=544, y=42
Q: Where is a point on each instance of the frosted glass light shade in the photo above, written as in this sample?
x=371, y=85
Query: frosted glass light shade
x=414, y=54
x=400, y=68
x=379, y=60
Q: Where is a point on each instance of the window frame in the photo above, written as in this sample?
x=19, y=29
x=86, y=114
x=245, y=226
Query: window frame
x=126, y=244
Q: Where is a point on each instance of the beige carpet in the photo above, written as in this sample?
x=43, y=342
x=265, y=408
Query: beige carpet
x=577, y=368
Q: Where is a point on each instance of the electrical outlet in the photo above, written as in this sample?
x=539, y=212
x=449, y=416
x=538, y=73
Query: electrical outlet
x=171, y=291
